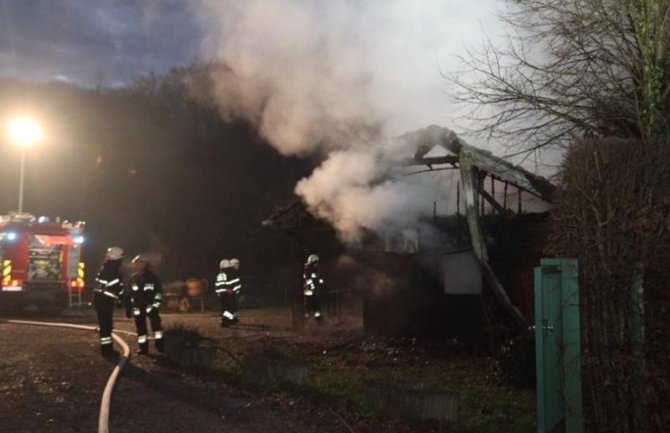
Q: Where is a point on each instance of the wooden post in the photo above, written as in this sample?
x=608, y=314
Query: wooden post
x=297, y=307
x=493, y=192
x=458, y=197
x=505, y=198
x=480, y=186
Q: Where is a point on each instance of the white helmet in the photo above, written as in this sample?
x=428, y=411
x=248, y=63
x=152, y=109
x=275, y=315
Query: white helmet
x=234, y=263
x=114, y=253
x=224, y=264
x=313, y=258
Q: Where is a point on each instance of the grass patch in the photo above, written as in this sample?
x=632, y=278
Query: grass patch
x=339, y=369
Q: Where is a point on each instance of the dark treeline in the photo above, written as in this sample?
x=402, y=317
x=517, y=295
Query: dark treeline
x=150, y=169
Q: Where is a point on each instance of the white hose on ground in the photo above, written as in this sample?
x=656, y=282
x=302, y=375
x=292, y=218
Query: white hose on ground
x=105, y=401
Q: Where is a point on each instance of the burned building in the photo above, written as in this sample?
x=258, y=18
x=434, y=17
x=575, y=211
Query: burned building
x=428, y=279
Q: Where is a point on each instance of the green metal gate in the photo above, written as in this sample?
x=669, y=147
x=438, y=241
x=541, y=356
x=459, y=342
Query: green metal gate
x=557, y=347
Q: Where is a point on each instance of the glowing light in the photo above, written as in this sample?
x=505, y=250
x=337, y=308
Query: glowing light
x=11, y=236
x=24, y=131
x=78, y=239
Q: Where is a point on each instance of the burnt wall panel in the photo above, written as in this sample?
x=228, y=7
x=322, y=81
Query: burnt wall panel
x=516, y=247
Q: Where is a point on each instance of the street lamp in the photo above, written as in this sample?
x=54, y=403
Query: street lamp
x=25, y=132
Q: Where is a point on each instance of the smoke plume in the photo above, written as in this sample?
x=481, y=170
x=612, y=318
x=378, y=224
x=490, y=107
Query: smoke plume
x=337, y=79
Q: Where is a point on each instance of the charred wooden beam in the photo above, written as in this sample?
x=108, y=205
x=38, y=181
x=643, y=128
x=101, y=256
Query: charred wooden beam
x=489, y=198
x=493, y=194
x=505, y=197
x=502, y=169
x=470, y=197
x=482, y=178
x=458, y=197
x=470, y=185
x=501, y=295
x=430, y=161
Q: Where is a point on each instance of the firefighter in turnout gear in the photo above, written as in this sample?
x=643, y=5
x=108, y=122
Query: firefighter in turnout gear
x=312, y=284
x=107, y=294
x=143, y=299
x=227, y=287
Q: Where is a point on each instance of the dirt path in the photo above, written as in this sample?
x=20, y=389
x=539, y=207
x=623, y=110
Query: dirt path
x=52, y=380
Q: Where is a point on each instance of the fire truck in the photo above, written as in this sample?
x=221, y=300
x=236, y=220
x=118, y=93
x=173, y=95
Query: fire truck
x=41, y=262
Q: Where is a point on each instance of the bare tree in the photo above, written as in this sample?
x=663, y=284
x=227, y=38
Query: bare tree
x=574, y=68
x=577, y=69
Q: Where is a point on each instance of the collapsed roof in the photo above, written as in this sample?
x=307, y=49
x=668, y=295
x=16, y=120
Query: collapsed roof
x=424, y=140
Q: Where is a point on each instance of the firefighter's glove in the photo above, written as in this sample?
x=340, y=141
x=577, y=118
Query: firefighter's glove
x=128, y=313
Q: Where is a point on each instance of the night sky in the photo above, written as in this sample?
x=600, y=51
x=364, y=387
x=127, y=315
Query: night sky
x=96, y=42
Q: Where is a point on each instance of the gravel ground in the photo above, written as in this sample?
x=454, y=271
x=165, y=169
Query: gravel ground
x=52, y=380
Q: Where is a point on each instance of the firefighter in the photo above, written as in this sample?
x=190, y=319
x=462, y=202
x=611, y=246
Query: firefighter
x=143, y=299
x=312, y=284
x=227, y=287
x=107, y=294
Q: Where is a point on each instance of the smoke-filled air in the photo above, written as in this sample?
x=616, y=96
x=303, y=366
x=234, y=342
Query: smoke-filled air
x=340, y=79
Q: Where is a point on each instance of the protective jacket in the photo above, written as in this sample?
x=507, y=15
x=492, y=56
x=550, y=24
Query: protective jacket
x=109, y=282
x=145, y=292
x=312, y=285
x=228, y=279
x=227, y=287
x=108, y=292
x=143, y=299
x=312, y=281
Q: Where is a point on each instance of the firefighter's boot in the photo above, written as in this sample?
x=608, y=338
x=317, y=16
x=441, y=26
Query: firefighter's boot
x=144, y=349
x=160, y=345
x=107, y=350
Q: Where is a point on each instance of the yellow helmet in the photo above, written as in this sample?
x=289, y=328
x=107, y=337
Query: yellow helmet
x=224, y=264
x=234, y=263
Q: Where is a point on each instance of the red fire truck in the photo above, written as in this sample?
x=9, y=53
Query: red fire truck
x=41, y=261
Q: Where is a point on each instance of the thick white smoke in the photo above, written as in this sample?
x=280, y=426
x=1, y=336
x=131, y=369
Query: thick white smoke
x=338, y=78
x=355, y=189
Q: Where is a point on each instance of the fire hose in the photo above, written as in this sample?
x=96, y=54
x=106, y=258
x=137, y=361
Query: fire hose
x=105, y=401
